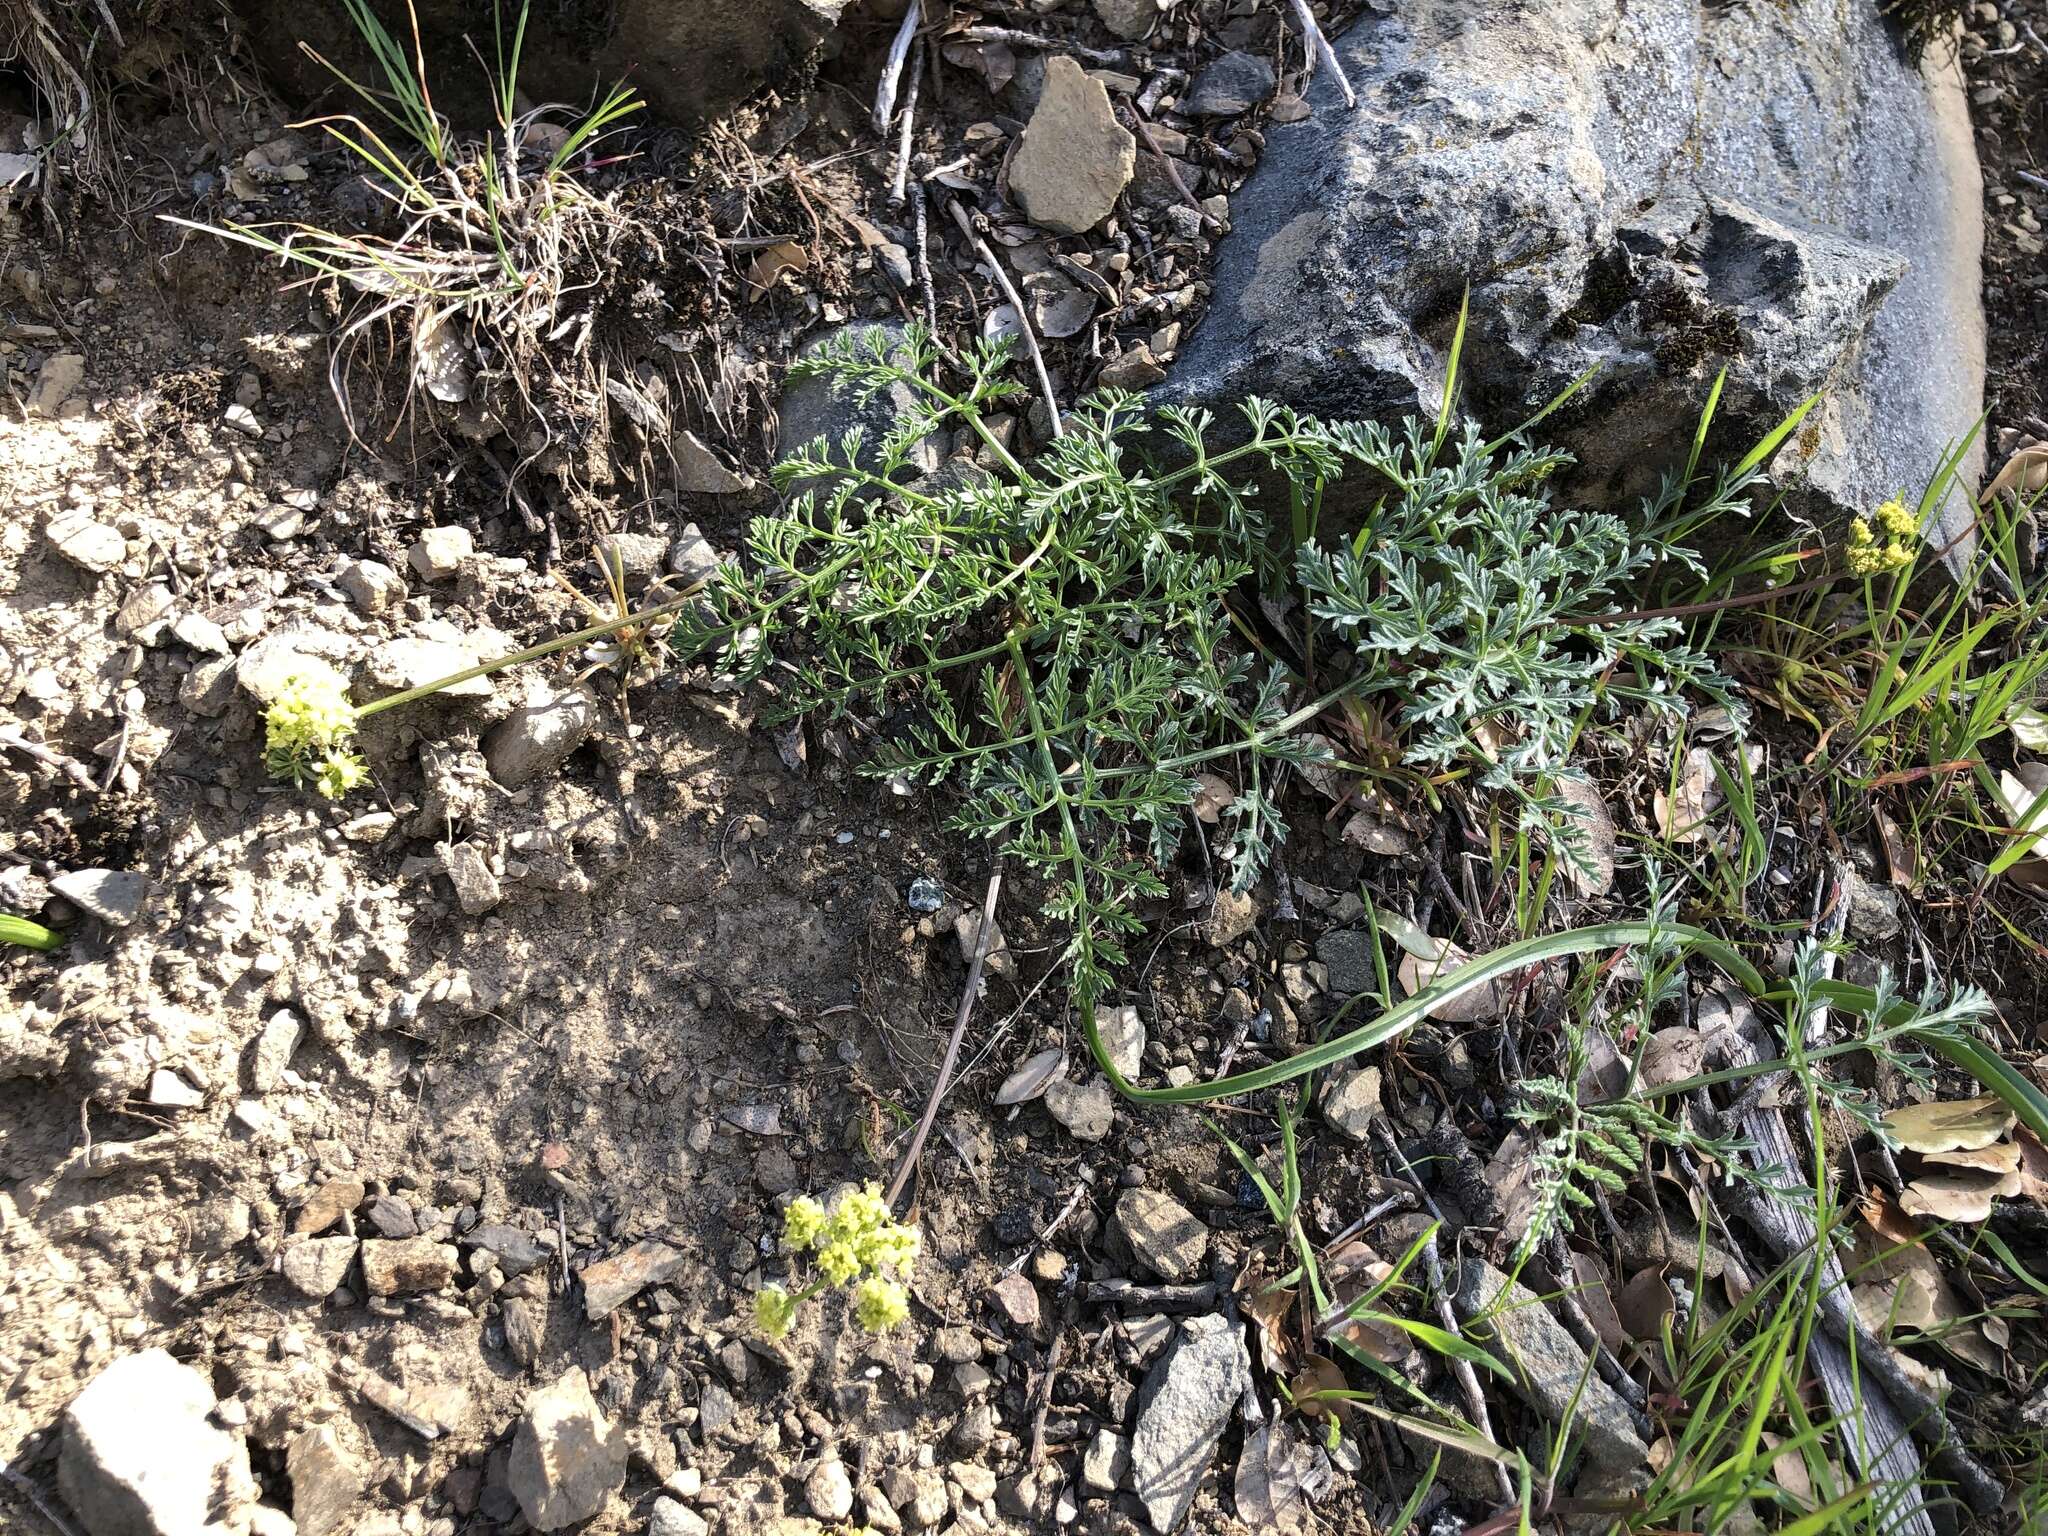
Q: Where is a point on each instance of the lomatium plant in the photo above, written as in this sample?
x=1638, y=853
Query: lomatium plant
x=309, y=732
x=1889, y=546
x=855, y=1243
x=1067, y=643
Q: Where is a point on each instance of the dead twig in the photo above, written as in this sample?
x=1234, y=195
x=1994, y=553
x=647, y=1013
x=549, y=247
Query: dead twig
x=924, y=259
x=1468, y=1379
x=988, y=34
x=28, y=1490
x=1172, y=170
x=892, y=67
x=1319, y=47
x=1128, y=1293
x=902, y=177
x=70, y=767
x=1051, y=1227
x=1023, y=320
x=945, y=1078
x=1043, y=1400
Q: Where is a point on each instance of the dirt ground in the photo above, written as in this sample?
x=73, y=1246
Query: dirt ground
x=706, y=982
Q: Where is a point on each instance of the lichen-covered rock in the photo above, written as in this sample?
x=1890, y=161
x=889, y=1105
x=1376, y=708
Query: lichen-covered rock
x=1658, y=188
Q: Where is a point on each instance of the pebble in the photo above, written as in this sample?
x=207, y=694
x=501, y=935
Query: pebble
x=1106, y=1463
x=392, y=1266
x=273, y=1050
x=1232, y=917
x=702, y=472
x=525, y=1321
x=438, y=553
x=91, y=546
x=1234, y=83
x=610, y=1283
x=1017, y=1299
x=1123, y=1038
x=167, y=1090
x=242, y=420
x=316, y=1266
x=537, y=738
x=468, y=869
x=1130, y=20
x=327, y=1480
x=1352, y=1101
x=327, y=1205
x=56, y=382
x=669, y=1518
x=1075, y=158
x=977, y=1482
x=1087, y=1110
x=1162, y=1233
x=371, y=585
x=829, y=1491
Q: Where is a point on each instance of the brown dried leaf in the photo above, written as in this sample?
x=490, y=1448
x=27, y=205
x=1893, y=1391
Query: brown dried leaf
x=1643, y=1305
x=1671, y=1056
x=1275, y=1474
x=2033, y=1168
x=1682, y=815
x=2024, y=474
x=1469, y=1007
x=1957, y=1194
x=1213, y=796
x=1950, y=1125
x=1591, y=813
x=1031, y=1079
x=2002, y=1157
x=1596, y=1300
x=770, y=263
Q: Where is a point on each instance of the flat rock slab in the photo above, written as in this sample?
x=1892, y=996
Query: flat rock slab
x=395, y=1265
x=1550, y=1368
x=1183, y=1408
x=1658, y=188
x=567, y=1458
x=1166, y=1237
x=1075, y=158
x=610, y=1283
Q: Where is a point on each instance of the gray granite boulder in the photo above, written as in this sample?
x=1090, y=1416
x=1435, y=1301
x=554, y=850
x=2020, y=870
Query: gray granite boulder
x=1658, y=187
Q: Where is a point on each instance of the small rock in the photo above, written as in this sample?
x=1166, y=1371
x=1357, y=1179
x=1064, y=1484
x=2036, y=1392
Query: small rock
x=670, y=1518
x=975, y=1480
x=636, y=556
x=1232, y=917
x=1017, y=1299
x=526, y=1324
x=812, y=407
x=273, y=1050
x=691, y=558
x=1029, y=1496
x=1075, y=158
x=878, y=1514
x=327, y=1205
x=56, y=382
x=611, y=1283
x=1130, y=20
x=1550, y=1368
x=1135, y=368
x=316, y=1266
x=1106, y=1463
x=146, y=608
x=1235, y=83
x=243, y=420
x=196, y=632
x=1352, y=1101
x=391, y=1217
x=829, y=1491
x=967, y=934
x=567, y=1459
x=415, y=661
x=371, y=585
x=326, y=1481
x=925, y=895
x=535, y=739
x=468, y=869
x=919, y=1496
x=167, y=1090
x=141, y=1456
x=438, y=553
x=1873, y=910
x=1123, y=1038
x=701, y=472
x=408, y=1264
x=1086, y=1109
x=1164, y=1235
x=209, y=688
x=1348, y=959
x=1183, y=1409
x=775, y=1170
x=91, y=546
x=111, y=895
x=515, y=1251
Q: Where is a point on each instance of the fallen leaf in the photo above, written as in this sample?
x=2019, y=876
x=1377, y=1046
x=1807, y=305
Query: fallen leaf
x=1467, y=1007
x=1213, y=796
x=1275, y=1473
x=2030, y=729
x=1788, y=1470
x=1682, y=814
x=1901, y=863
x=1671, y=1056
x=2000, y=1157
x=1320, y=1375
x=1372, y=834
x=1037, y=1074
x=2033, y=1168
x=1590, y=812
x=1643, y=1305
x=1511, y=1175
x=1325, y=778
x=2025, y=797
x=1596, y=1300
x=1957, y=1194
x=770, y=263
x=2025, y=473
x=1604, y=1077
x=1950, y=1125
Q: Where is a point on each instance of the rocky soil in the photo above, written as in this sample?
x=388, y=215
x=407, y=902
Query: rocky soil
x=407, y=1165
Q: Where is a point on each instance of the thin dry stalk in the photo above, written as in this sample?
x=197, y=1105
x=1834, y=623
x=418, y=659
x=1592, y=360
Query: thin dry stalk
x=1319, y=47
x=1052, y=406
x=892, y=67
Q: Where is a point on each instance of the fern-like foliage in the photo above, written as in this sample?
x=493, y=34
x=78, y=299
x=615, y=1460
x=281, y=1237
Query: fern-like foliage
x=1065, y=643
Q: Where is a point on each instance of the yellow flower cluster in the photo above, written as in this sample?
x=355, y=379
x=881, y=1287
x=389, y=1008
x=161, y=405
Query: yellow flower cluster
x=857, y=1241
x=1887, y=547
x=307, y=731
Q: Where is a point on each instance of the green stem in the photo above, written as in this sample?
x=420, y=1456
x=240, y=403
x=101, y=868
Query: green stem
x=19, y=930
